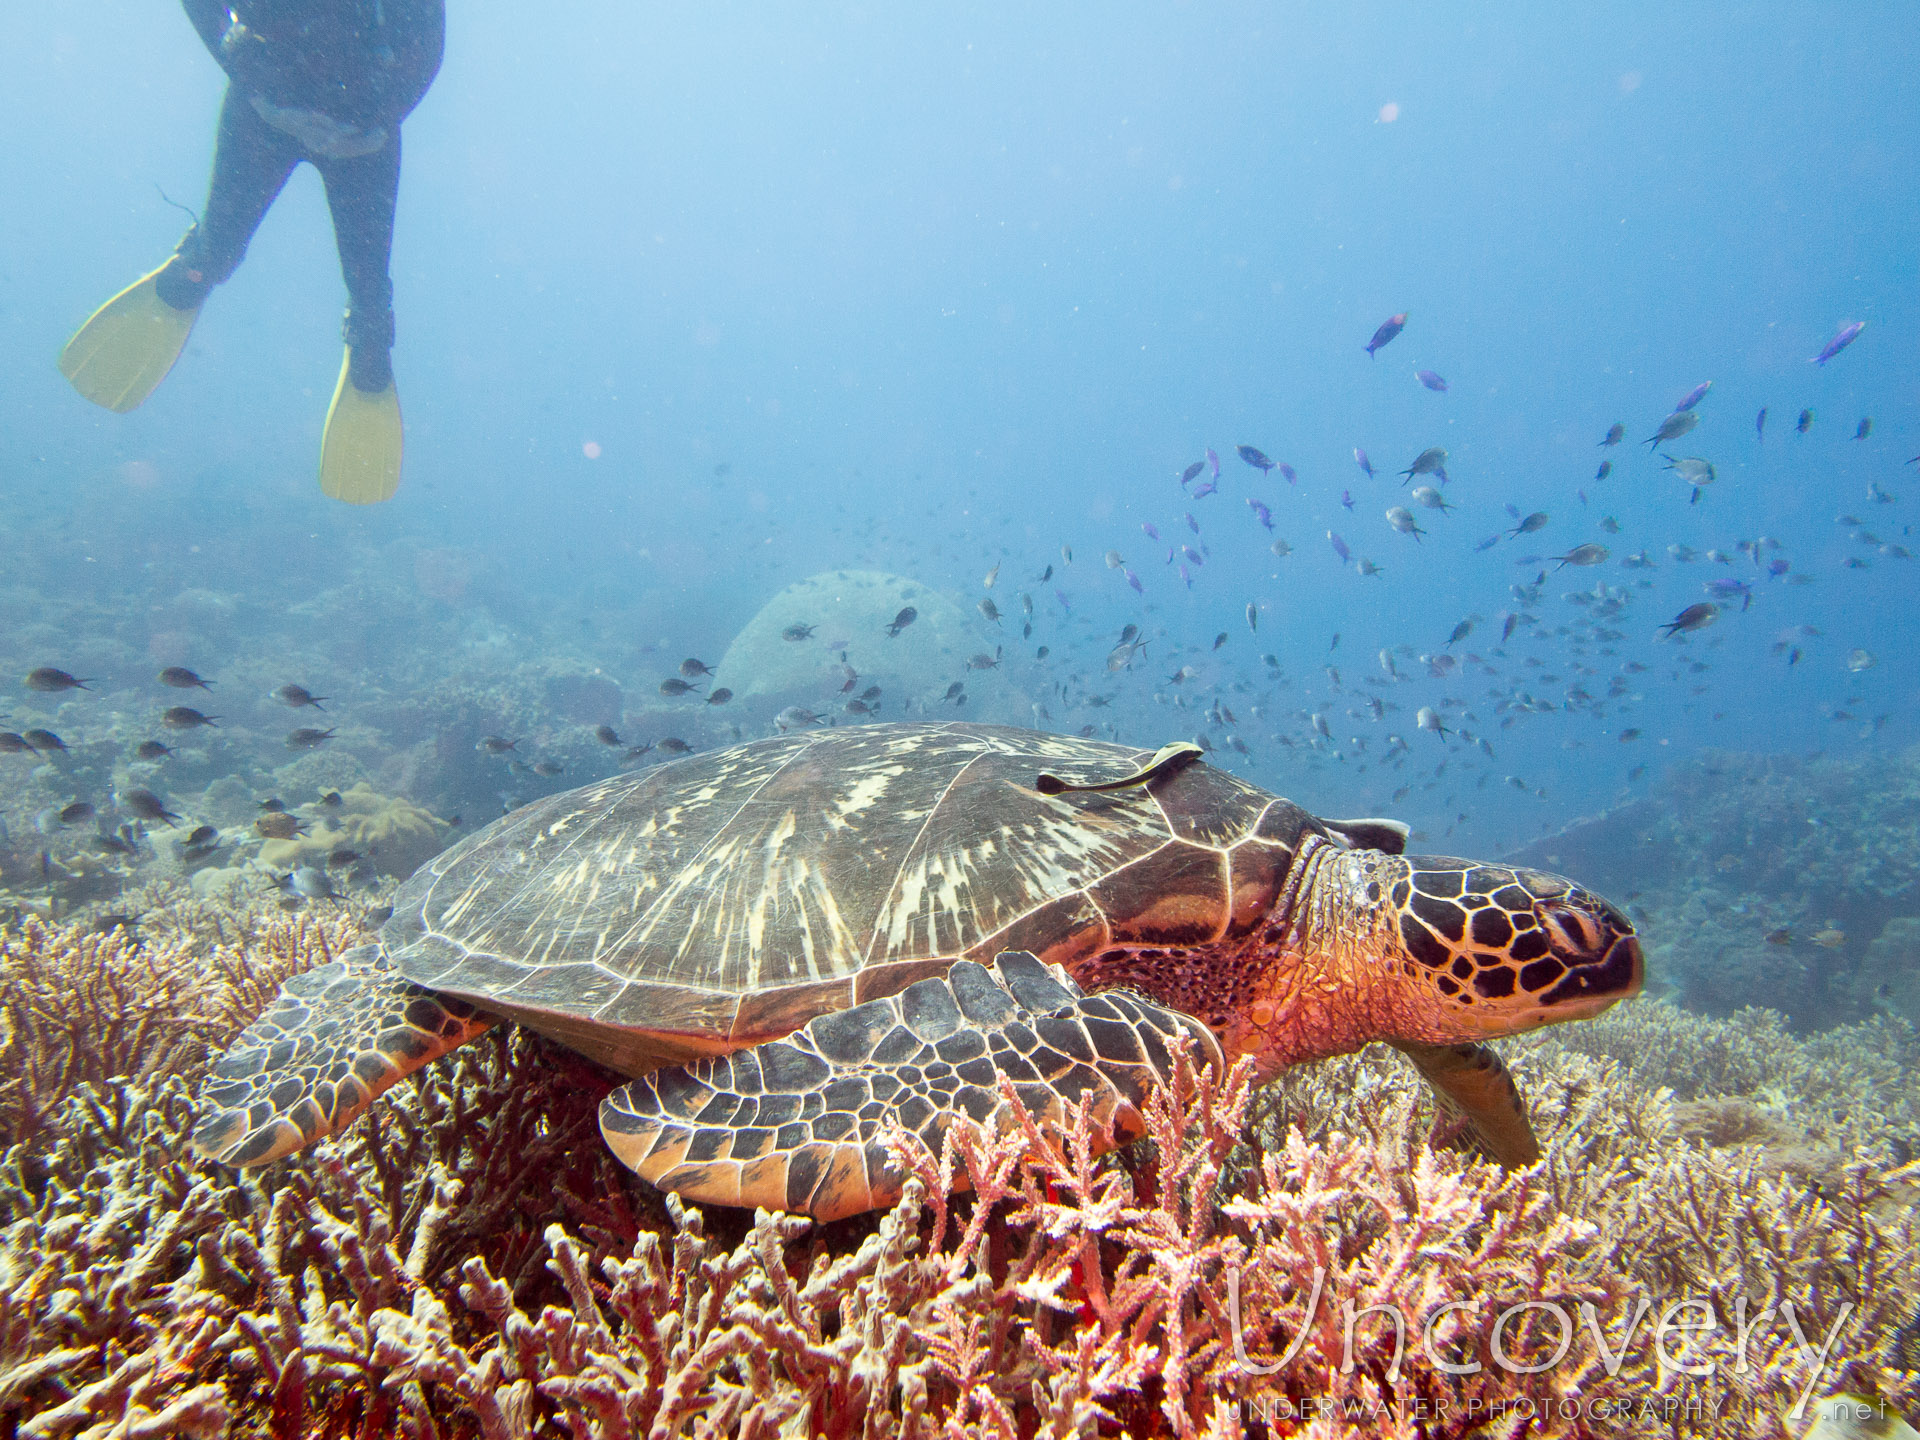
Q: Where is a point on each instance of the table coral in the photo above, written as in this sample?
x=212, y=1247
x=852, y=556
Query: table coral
x=395, y=834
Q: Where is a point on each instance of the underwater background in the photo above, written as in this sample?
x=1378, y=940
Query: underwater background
x=717, y=326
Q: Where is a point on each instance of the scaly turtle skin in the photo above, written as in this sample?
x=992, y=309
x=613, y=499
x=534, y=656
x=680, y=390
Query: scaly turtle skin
x=799, y=941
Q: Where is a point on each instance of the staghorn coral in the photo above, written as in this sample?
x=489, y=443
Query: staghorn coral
x=469, y=1261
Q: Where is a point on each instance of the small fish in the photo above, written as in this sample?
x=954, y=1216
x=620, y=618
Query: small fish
x=296, y=696
x=1281, y=548
x=1864, y=428
x=1261, y=513
x=1253, y=616
x=1200, y=492
x=795, y=716
x=607, y=735
x=1460, y=632
x=1219, y=639
x=989, y=609
x=1192, y=524
x=1584, y=555
x=1673, y=427
x=309, y=882
x=76, y=812
x=307, y=739
x=1615, y=434
x=674, y=745
x=1401, y=519
x=279, y=826
x=1133, y=580
x=1045, y=575
x=673, y=685
x=798, y=632
x=870, y=694
x=1339, y=547
x=1694, y=617
x=495, y=745
x=992, y=575
x=51, y=681
x=1427, y=718
x=1609, y=524
x=1760, y=424
x=1287, y=472
x=694, y=669
x=1804, y=423
x=1488, y=543
x=183, y=717
x=1151, y=534
x=1432, y=381
x=547, y=769
x=1507, y=627
x=1606, y=469
x=1360, y=459
x=1255, y=458
x=1536, y=521
x=1781, y=936
x=1368, y=568
x=333, y=800
x=1213, y=463
x=181, y=678
x=1346, y=498
x=1848, y=334
x=201, y=835
x=983, y=661
x=1431, y=498
x=1114, y=562
x=274, y=806
x=902, y=620
x=1861, y=660
x=1389, y=328
x=1188, y=475
x=720, y=696
x=1831, y=938
x=1694, y=396
x=1693, y=471
x=1431, y=461
x=151, y=750
x=341, y=856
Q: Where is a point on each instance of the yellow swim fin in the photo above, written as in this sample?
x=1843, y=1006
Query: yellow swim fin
x=127, y=346
x=360, y=448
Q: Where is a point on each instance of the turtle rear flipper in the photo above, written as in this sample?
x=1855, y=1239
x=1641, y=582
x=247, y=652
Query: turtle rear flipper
x=1474, y=1083
x=797, y=1123
x=335, y=1037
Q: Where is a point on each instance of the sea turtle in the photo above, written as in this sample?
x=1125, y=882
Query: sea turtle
x=794, y=942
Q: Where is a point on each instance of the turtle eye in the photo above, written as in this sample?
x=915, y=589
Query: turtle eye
x=1573, y=932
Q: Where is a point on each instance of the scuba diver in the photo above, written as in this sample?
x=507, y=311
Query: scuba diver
x=328, y=82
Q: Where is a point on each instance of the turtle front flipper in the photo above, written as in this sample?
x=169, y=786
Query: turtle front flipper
x=1474, y=1083
x=335, y=1037
x=797, y=1124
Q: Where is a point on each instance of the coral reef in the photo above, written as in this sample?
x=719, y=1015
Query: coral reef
x=470, y=1261
x=395, y=835
x=850, y=611
x=1796, y=879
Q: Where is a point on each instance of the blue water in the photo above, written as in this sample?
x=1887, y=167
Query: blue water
x=841, y=285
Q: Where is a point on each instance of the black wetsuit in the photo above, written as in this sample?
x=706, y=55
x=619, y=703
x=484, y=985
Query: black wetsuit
x=328, y=82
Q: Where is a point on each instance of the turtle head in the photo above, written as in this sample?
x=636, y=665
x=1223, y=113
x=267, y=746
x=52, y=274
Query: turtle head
x=1489, y=950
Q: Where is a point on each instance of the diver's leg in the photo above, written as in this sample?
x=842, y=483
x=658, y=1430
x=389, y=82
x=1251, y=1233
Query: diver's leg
x=251, y=163
x=362, y=192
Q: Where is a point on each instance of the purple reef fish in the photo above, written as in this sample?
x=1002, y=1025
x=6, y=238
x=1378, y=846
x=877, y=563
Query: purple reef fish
x=1340, y=547
x=1346, y=498
x=1848, y=334
x=1184, y=575
x=1760, y=424
x=1192, y=524
x=1201, y=492
x=1214, y=461
x=1287, y=470
x=1694, y=396
x=1360, y=459
x=1389, y=328
x=1186, y=475
x=1264, y=515
x=1431, y=380
x=1255, y=458
x=1152, y=534
x=1133, y=580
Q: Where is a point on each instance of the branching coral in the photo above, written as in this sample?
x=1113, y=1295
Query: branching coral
x=469, y=1261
